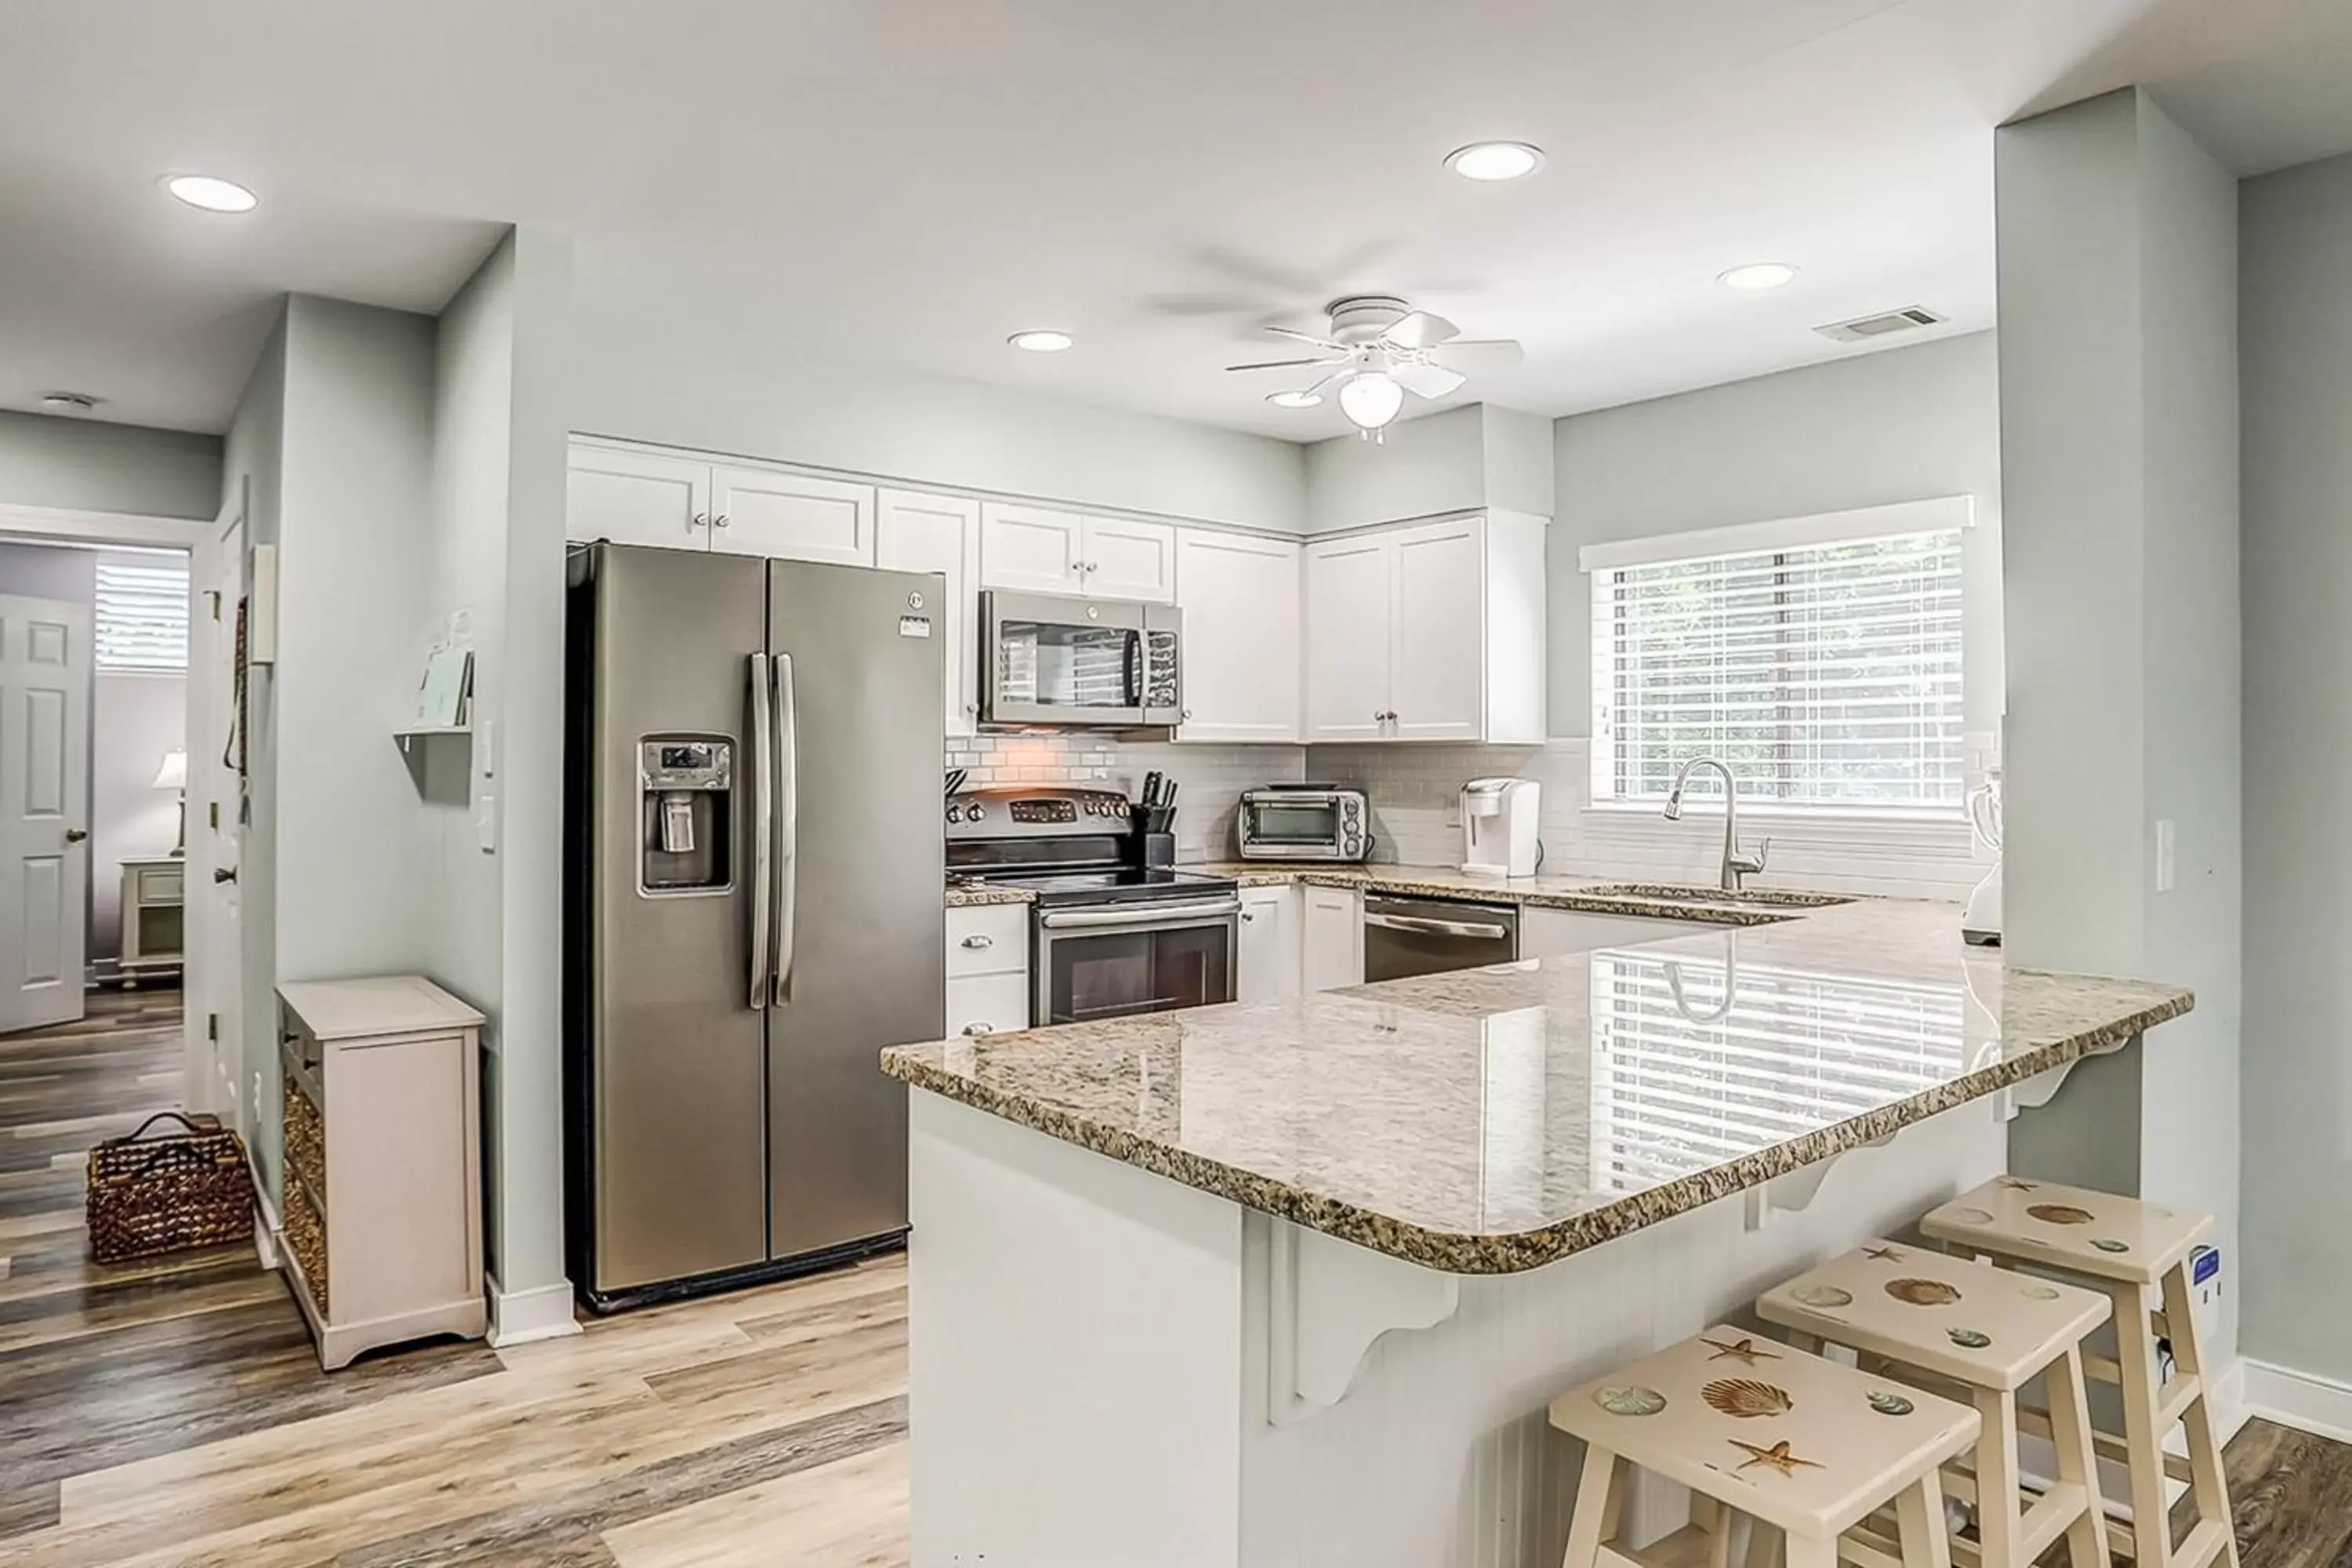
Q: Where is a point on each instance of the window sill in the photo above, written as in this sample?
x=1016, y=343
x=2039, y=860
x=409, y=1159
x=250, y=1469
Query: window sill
x=1768, y=811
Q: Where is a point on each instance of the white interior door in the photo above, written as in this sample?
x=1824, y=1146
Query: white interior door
x=44, y=673
x=215, y=837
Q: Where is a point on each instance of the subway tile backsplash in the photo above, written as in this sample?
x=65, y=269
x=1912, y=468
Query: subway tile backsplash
x=1211, y=778
x=1413, y=791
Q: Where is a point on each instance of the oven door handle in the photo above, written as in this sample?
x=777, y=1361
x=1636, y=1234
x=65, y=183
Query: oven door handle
x=1480, y=930
x=1154, y=914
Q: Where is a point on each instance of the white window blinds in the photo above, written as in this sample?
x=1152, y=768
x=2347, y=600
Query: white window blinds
x=1824, y=674
x=142, y=613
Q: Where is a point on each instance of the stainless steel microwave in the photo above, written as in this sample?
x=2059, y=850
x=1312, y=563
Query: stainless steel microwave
x=1309, y=823
x=1064, y=660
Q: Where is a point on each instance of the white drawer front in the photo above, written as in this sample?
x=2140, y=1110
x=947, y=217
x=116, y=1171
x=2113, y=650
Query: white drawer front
x=160, y=887
x=988, y=938
x=988, y=1004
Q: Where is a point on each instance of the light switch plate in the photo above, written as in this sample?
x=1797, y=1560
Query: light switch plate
x=486, y=743
x=485, y=824
x=2164, y=868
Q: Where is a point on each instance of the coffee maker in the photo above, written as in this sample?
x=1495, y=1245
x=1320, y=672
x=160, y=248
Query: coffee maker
x=1499, y=828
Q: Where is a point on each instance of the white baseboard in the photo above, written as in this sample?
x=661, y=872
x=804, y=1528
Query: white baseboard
x=519, y=1317
x=2303, y=1400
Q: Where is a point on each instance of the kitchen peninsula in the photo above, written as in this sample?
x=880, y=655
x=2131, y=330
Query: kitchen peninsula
x=1291, y=1283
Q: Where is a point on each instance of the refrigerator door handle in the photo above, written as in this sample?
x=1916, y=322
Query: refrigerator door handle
x=788, y=824
x=763, y=826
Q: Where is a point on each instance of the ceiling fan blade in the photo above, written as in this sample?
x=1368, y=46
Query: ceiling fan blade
x=1419, y=329
x=1280, y=363
x=1424, y=380
x=1306, y=338
x=1476, y=353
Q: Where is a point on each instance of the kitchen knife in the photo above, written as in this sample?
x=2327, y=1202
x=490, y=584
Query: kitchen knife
x=1168, y=796
x=1152, y=781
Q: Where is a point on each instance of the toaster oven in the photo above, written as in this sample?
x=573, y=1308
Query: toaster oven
x=1304, y=822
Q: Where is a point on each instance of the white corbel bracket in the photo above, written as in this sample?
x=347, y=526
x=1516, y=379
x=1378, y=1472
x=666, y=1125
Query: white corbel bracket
x=1799, y=1188
x=2042, y=1087
x=1326, y=1301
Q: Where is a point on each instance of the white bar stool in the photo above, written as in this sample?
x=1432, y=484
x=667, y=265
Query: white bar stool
x=2126, y=1249
x=1783, y=1438
x=1979, y=1333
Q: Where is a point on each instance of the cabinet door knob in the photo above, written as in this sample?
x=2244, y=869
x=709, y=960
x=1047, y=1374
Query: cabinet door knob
x=699, y=520
x=977, y=940
x=1250, y=916
x=972, y=707
x=75, y=835
x=718, y=522
x=979, y=1028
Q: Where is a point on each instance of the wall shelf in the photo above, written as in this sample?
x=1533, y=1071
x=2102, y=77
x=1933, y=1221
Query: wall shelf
x=409, y=736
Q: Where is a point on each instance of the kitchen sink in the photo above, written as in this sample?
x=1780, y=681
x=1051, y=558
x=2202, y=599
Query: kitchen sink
x=1761, y=898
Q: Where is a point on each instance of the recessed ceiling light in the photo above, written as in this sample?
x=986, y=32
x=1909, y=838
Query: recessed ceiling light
x=1758, y=275
x=1495, y=160
x=213, y=195
x=76, y=402
x=1041, y=343
x=1294, y=399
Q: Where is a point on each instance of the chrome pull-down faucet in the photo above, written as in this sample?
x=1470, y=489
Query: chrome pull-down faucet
x=1734, y=864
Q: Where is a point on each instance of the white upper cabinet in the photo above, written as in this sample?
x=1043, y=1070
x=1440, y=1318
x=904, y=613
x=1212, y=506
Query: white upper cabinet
x=1130, y=560
x=1242, y=604
x=1034, y=549
x=1348, y=615
x=1438, y=672
x=637, y=498
x=1042, y=550
x=918, y=533
x=792, y=517
x=1430, y=632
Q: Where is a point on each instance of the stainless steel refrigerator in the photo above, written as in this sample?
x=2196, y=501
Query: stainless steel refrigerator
x=753, y=911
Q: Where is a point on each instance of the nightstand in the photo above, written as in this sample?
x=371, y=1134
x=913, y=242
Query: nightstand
x=151, y=922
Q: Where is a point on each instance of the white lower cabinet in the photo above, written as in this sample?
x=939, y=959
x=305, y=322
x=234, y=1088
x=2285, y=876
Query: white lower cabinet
x=1552, y=933
x=988, y=968
x=1269, y=964
x=1332, y=938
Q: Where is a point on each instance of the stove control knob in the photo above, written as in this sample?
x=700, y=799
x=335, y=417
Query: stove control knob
x=975, y=811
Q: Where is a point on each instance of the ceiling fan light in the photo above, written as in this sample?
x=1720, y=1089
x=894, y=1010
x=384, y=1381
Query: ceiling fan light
x=1495, y=160
x=1294, y=399
x=1370, y=400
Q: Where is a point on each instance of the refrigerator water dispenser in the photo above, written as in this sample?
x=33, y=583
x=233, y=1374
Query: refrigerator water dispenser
x=685, y=810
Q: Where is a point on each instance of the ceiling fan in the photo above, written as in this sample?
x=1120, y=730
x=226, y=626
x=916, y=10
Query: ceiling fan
x=1378, y=349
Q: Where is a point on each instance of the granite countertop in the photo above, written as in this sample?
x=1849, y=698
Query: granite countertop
x=1495, y=1120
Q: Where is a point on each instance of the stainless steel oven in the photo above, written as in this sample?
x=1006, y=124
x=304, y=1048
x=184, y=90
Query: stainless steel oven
x=1408, y=936
x=1064, y=660
x=1114, y=960
x=1304, y=821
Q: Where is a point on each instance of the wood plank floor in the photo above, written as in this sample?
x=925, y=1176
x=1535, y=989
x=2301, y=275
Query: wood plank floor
x=171, y=1411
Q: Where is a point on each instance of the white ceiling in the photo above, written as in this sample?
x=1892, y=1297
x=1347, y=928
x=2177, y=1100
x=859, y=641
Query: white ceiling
x=911, y=180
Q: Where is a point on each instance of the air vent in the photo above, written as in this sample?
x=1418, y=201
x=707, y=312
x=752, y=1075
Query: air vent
x=1861, y=328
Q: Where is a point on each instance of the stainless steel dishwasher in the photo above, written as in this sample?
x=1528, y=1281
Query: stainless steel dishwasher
x=1405, y=935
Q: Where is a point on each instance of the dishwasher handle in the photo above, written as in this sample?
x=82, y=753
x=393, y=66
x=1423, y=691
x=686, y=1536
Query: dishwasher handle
x=1479, y=930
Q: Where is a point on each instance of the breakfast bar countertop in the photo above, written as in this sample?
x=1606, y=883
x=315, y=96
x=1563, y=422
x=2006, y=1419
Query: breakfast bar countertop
x=1493, y=1120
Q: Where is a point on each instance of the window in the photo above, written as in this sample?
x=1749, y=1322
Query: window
x=142, y=613
x=1826, y=672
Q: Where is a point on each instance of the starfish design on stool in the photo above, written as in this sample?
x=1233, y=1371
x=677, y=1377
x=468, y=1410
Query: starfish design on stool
x=1744, y=1351
x=1777, y=1457
x=2014, y=1186
x=1883, y=1254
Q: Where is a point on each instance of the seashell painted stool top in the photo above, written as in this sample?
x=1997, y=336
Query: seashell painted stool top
x=1790, y=1438
x=1909, y=1302
x=2084, y=1232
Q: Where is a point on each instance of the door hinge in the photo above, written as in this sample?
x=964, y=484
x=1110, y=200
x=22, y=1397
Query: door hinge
x=212, y=1027
x=212, y=597
x=214, y=808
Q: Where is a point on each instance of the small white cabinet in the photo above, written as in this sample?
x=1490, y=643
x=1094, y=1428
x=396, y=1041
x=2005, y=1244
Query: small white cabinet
x=633, y=497
x=1332, y=938
x=1429, y=632
x=1555, y=933
x=1242, y=603
x=791, y=517
x=915, y=531
x=1268, y=966
x=1043, y=550
x=988, y=968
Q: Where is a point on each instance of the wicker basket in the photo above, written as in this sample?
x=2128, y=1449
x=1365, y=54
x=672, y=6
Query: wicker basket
x=183, y=1190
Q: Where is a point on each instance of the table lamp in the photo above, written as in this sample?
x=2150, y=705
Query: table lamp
x=173, y=774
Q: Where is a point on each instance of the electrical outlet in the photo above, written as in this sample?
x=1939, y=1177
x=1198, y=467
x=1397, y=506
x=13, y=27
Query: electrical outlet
x=2205, y=1284
x=2164, y=855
